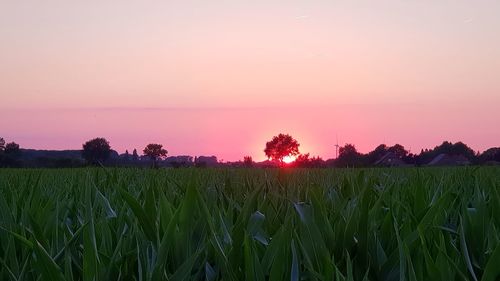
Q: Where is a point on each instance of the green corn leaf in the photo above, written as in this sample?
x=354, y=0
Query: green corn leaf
x=144, y=220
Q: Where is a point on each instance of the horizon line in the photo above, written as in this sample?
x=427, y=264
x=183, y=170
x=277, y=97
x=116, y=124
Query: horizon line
x=185, y=154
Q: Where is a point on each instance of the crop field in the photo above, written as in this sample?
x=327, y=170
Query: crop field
x=250, y=224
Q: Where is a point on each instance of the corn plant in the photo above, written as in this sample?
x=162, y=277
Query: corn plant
x=250, y=224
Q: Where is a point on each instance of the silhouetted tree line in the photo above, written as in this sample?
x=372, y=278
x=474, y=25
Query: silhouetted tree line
x=444, y=154
x=458, y=153
x=98, y=152
x=9, y=154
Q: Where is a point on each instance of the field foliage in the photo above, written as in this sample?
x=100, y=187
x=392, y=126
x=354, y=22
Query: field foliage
x=250, y=224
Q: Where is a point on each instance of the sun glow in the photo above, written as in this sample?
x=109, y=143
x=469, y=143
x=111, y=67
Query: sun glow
x=289, y=159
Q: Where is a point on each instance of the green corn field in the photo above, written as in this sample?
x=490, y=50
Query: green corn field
x=250, y=224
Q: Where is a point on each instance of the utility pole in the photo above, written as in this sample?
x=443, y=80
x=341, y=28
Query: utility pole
x=337, y=148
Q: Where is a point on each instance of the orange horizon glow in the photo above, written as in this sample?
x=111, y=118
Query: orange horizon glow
x=220, y=132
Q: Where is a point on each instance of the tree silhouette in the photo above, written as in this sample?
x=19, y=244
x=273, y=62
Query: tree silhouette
x=248, y=161
x=491, y=154
x=377, y=153
x=126, y=156
x=96, y=151
x=302, y=160
x=398, y=150
x=12, y=148
x=460, y=148
x=9, y=154
x=135, y=156
x=349, y=156
x=2, y=144
x=454, y=149
x=305, y=161
x=281, y=146
x=155, y=151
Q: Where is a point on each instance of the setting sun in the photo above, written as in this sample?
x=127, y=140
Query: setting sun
x=289, y=159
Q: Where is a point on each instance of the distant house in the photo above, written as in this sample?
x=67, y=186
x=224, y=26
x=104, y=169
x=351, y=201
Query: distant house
x=179, y=161
x=206, y=161
x=390, y=159
x=267, y=164
x=449, y=160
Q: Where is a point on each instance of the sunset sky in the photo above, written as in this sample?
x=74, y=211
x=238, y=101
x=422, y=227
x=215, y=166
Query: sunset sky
x=222, y=77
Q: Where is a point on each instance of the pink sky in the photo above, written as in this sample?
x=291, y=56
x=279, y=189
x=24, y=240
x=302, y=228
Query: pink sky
x=223, y=77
